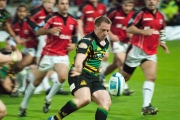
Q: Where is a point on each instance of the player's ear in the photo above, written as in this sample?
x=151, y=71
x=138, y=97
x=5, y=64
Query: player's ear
x=95, y=28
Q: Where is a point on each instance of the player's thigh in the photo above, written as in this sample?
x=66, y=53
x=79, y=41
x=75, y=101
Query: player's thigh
x=102, y=98
x=120, y=56
x=83, y=93
x=61, y=66
x=62, y=70
x=149, y=69
x=26, y=61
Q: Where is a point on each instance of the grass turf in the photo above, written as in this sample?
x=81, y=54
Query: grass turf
x=166, y=96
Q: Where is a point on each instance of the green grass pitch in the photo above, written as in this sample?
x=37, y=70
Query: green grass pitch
x=166, y=96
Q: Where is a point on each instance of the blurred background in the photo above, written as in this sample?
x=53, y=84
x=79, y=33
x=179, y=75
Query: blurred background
x=169, y=8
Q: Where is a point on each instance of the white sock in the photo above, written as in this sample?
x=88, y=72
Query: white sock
x=29, y=92
x=55, y=87
x=45, y=82
x=148, y=90
x=126, y=86
x=23, y=74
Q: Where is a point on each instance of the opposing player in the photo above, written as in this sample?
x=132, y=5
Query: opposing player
x=25, y=28
x=120, y=39
x=61, y=29
x=83, y=75
x=147, y=27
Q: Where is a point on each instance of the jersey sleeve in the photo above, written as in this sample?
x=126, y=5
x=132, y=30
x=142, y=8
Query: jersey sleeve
x=83, y=45
x=136, y=19
x=111, y=13
x=33, y=25
x=34, y=13
x=47, y=22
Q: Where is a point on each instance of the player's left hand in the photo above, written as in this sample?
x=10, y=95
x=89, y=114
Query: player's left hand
x=71, y=46
x=163, y=45
x=75, y=72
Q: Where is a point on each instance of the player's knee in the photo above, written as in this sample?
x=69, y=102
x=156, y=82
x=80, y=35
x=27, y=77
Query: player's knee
x=106, y=103
x=85, y=101
x=151, y=77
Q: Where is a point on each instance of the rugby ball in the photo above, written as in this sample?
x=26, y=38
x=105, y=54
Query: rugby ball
x=116, y=84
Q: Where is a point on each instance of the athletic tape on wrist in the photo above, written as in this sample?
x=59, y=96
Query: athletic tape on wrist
x=14, y=56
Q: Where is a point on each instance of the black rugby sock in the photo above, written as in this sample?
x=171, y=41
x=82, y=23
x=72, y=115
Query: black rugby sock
x=101, y=114
x=67, y=109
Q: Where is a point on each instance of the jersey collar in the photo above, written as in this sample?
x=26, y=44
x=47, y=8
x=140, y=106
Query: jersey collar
x=97, y=40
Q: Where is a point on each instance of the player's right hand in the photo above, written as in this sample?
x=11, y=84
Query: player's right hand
x=55, y=30
x=148, y=32
x=75, y=72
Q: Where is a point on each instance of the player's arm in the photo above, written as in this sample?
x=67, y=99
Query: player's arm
x=80, y=17
x=163, y=39
x=113, y=37
x=45, y=27
x=135, y=23
x=72, y=45
x=82, y=52
x=9, y=29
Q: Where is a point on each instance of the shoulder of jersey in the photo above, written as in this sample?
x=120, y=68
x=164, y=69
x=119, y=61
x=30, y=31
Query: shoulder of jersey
x=35, y=10
x=72, y=17
x=50, y=16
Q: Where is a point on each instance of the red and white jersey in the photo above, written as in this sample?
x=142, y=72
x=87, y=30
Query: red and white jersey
x=26, y=30
x=57, y=44
x=38, y=14
x=119, y=22
x=145, y=19
x=88, y=13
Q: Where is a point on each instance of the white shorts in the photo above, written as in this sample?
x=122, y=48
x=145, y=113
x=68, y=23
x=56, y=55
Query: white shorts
x=118, y=47
x=47, y=62
x=31, y=51
x=136, y=55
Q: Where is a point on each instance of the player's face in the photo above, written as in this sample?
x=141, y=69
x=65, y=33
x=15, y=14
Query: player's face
x=102, y=30
x=63, y=6
x=2, y=4
x=151, y=4
x=127, y=7
x=22, y=13
x=49, y=5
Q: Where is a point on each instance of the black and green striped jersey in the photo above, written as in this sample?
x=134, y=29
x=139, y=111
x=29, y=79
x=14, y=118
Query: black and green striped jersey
x=90, y=46
x=4, y=17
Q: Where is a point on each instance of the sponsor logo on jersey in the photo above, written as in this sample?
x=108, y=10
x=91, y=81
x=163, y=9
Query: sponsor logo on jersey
x=89, y=12
x=119, y=17
x=17, y=29
x=90, y=19
x=83, y=45
x=42, y=17
x=100, y=11
x=160, y=21
x=146, y=19
x=62, y=36
x=26, y=31
x=57, y=23
x=71, y=27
